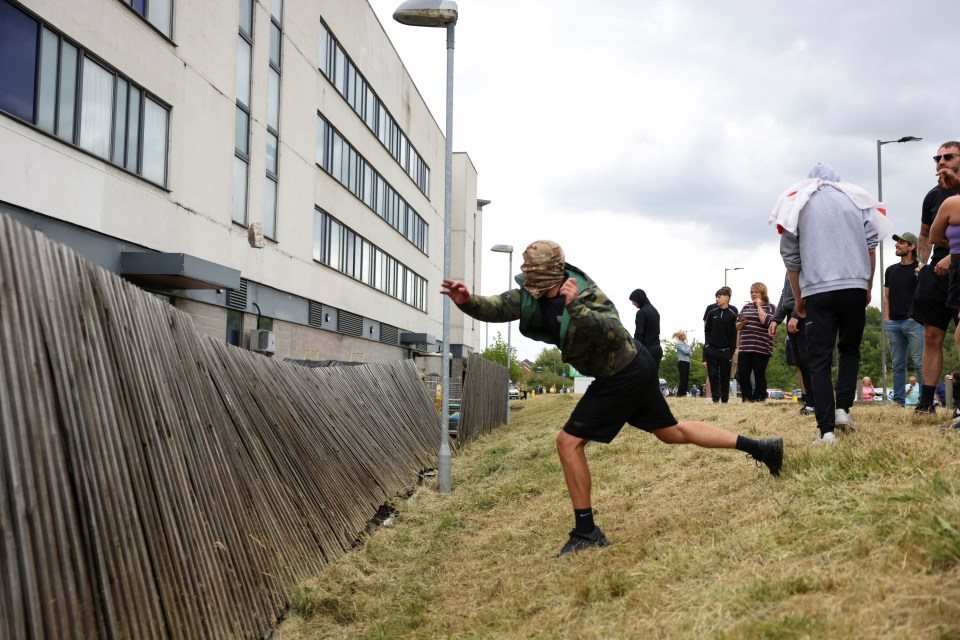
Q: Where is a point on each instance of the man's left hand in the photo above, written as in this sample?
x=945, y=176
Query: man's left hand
x=943, y=267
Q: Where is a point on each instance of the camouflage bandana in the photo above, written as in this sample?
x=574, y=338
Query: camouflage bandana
x=543, y=267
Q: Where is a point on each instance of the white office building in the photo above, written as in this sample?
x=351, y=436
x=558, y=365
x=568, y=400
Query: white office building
x=261, y=164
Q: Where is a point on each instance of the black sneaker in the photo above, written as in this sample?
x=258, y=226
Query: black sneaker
x=925, y=409
x=581, y=541
x=771, y=454
x=807, y=411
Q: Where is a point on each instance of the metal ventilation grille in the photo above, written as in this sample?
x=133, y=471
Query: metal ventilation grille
x=237, y=298
x=350, y=324
x=389, y=334
x=316, y=314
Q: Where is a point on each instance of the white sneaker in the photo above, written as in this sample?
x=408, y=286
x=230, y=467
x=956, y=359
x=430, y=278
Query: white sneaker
x=826, y=438
x=844, y=421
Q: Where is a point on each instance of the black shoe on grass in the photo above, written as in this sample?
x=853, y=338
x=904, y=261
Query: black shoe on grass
x=771, y=454
x=581, y=541
x=924, y=409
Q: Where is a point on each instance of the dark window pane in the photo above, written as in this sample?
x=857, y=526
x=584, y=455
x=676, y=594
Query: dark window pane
x=120, y=122
x=246, y=17
x=138, y=6
x=18, y=61
x=242, y=132
x=234, y=327
x=133, y=132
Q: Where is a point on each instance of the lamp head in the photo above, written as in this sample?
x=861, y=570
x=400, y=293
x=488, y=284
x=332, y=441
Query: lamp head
x=502, y=248
x=427, y=13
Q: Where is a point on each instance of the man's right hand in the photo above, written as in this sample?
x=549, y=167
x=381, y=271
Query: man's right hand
x=947, y=178
x=457, y=291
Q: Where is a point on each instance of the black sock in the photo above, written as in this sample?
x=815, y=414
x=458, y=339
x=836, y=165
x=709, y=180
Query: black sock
x=747, y=445
x=926, y=395
x=584, y=520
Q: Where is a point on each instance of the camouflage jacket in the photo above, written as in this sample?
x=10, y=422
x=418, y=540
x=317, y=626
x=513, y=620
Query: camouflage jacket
x=592, y=339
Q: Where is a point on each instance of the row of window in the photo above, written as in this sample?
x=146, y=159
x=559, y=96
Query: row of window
x=343, y=74
x=273, y=121
x=338, y=158
x=50, y=82
x=341, y=248
x=241, y=150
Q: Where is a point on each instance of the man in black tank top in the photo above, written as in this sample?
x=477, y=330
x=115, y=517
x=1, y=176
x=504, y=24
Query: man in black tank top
x=930, y=298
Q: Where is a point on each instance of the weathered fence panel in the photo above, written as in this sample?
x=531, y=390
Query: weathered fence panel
x=484, y=404
x=158, y=484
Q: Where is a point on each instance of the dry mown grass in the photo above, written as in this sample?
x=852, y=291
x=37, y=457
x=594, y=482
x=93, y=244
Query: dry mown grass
x=856, y=540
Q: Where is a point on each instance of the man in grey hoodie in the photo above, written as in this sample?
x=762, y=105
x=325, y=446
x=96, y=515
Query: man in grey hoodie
x=830, y=261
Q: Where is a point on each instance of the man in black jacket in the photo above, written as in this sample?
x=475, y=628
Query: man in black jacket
x=647, y=330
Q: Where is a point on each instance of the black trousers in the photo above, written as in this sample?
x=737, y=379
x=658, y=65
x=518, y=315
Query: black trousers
x=834, y=318
x=756, y=364
x=798, y=345
x=684, y=369
x=718, y=369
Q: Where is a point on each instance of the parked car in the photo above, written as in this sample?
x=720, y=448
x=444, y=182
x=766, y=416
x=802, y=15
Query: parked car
x=776, y=394
x=513, y=393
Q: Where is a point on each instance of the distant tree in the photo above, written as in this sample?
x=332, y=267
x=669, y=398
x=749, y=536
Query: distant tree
x=549, y=369
x=781, y=376
x=497, y=352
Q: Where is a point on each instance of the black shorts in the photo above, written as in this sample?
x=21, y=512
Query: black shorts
x=953, y=288
x=930, y=300
x=631, y=395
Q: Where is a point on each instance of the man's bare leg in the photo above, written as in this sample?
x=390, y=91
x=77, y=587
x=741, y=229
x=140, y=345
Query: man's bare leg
x=576, y=472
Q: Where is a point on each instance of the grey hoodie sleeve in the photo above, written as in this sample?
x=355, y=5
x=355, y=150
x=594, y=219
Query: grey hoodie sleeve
x=870, y=228
x=790, y=251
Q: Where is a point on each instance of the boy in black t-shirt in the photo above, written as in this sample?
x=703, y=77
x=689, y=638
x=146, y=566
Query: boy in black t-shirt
x=720, y=340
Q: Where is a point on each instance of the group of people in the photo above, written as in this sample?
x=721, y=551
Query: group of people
x=829, y=234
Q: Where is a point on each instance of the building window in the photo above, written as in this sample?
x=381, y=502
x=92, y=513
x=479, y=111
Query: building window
x=338, y=158
x=53, y=84
x=343, y=74
x=341, y=248
x=159, y=13
x=235, y=327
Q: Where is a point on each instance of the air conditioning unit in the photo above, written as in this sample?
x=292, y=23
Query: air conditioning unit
x=263, y=341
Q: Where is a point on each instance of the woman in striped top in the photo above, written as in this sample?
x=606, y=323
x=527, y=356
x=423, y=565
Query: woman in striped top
x=756, y=344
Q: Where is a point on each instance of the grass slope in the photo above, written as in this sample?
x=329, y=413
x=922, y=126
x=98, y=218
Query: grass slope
x=856, y=540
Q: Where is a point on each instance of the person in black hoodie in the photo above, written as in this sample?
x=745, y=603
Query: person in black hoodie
x=647, y=331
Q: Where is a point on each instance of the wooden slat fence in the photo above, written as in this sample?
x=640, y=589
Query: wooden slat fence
x=484, y=404
x=159, y=484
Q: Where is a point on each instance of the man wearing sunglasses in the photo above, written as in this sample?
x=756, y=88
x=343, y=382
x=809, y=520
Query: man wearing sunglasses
x=930, y=298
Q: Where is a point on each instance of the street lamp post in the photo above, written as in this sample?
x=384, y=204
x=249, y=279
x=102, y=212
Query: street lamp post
x=441, y=13
x=725, y=269
x=507, y=249
x=883, y=333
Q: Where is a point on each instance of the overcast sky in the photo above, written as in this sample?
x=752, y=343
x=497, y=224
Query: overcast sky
x=651, y=139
